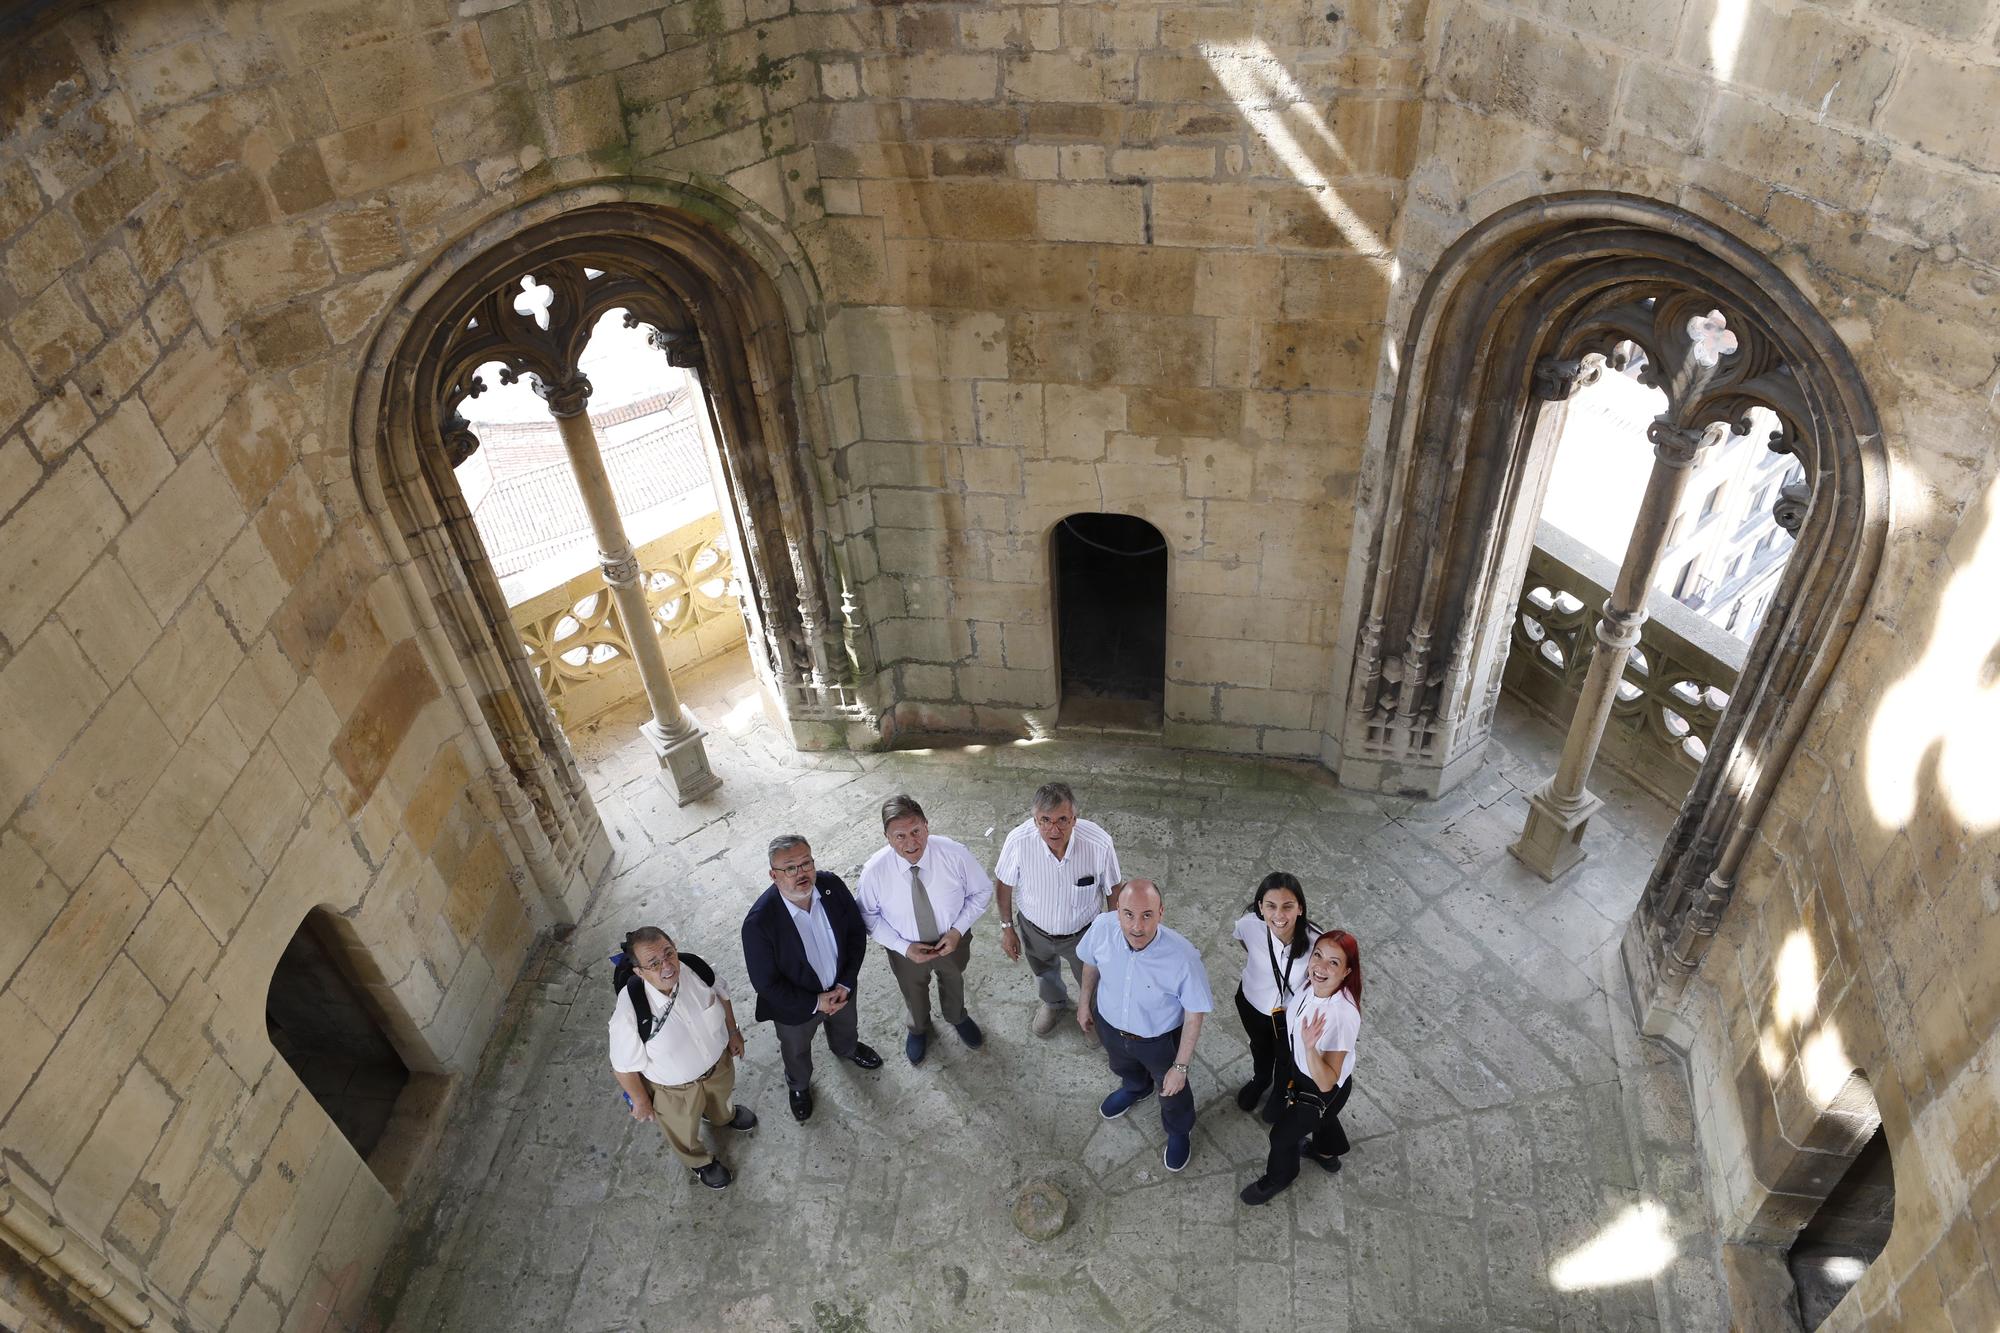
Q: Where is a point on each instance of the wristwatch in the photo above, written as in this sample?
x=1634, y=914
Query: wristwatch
x=1178, y=1065
x=1006, y=925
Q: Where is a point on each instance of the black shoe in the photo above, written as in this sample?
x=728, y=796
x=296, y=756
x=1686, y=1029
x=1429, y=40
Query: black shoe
x=745, y=1118
x=1257, y=1192
x=1329, y=1163
x=969, y=1033
x=1247, y=1095
x=865, y=1057
x=802, y=1104
x=715, y=1175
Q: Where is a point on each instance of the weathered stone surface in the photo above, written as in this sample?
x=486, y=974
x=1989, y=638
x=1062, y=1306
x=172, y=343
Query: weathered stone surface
x=1041, y=1210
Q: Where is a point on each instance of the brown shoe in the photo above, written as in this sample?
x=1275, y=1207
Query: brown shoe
x=1046, y=1018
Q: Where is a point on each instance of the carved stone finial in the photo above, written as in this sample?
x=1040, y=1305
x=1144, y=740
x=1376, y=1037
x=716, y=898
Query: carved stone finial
x=567, y=399
x=458, y=439
x=1794, y=499
x=1557, y=378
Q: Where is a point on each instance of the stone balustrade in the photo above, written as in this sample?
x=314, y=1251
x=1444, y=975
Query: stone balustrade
x=579, y=652
x=1675, y=686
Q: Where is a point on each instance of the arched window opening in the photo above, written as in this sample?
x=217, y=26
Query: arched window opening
x=325, y=1026
x=1110, y=576
x=1518, y=313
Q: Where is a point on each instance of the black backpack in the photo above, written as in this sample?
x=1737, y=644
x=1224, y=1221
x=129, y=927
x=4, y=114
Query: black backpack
x=627, y=980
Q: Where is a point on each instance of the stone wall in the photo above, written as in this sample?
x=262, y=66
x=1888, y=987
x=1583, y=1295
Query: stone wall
x=1854, y=144
x=1140, y=257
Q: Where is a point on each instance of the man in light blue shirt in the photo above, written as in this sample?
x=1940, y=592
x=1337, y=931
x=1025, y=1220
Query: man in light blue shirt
x=1145, y=993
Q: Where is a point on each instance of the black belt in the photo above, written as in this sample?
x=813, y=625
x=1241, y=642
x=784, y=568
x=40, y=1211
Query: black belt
x=1027, y=920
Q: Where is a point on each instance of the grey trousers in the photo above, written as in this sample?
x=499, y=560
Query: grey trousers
x=795, y=1042
x=914, y=980
x=1045, y=955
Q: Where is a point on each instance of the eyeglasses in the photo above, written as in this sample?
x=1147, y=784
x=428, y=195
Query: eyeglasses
x=793, y=868
x=669, y=956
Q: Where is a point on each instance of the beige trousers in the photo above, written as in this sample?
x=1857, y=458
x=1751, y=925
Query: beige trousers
x=680, y=1109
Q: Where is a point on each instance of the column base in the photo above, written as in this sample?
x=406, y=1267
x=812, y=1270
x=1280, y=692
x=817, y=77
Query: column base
x=683, y=759
x=1552, y=843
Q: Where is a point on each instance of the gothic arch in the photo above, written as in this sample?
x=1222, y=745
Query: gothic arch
x=1496, y=330
x=731, y=298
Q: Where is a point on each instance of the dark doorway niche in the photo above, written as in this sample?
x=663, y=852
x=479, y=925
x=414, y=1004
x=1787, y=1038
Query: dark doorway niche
x=1110, y=575
x=323, y=1025
x=1846, y=1233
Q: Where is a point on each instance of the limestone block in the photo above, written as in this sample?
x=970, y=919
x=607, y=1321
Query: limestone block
x=1168, y=162
x=1938, y=328
x=189, y=391
x=1209, y=736
x=170, y=76
x=97, y=784
x=1202, y=214
x=115, y=196
x=42, y=253
x=1535, y=74
x=371, y=82
x=276, y=1186
x=47, y=694
x=54, y=333
x=161, y=830
x=29, y=1041
x=112, y=288
x=1056, y=76
x=1134, y=488
x=246, y=586
x=124, y=1137
x=305, y=732
x=1027, y=647
x=972, y=345
x=222, y=1280
x=1223, y=575
x=1798, y=154
x=1266, y=708
x=131, y=453
x=383, y=716
x=78, y=1080
x=379, y=153
x=1081, y=162
x=21, y=199
x=910, y=640
x=119, y=364
x=264, y=805
x=1147, y=280
x=1009, y=414
x=1005, y=686
x=17, y=388
x=258, y=691
x=197, y=1222
x=35, y=895
x=218, y=877
x=913, y=410
x=932, y=76
x=871, y=340
x=989, y=470
x=1838, y=68
x=189, y=665
x=972, y=210
x=348, y=311
x=1199, y=661
x=1217, y=468
x=64, y=417
x=296, y=527
x=78, y=945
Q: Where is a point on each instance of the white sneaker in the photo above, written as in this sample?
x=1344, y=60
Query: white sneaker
x=1046, y=1018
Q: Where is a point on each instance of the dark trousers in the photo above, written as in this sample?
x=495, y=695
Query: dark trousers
x=1267, y=1040
x=1141, y=1063
x=795, y=1042
x=914, y=981
x=1304, y=1127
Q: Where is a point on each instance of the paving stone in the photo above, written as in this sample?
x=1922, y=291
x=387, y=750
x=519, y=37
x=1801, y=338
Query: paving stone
x=1495, y=1116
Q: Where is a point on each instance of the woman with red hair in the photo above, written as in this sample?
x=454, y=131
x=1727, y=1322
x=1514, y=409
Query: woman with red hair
x=1321, y=1025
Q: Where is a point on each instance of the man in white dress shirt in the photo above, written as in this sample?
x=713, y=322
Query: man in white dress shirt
x=1054, y=876
x=919, y=897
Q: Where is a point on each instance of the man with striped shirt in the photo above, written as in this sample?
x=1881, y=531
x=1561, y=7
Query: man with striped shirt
x=1062, y=869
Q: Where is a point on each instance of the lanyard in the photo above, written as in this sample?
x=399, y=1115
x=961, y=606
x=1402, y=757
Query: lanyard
x=1284, y=978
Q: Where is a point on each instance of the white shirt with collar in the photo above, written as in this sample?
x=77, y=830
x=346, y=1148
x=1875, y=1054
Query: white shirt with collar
x=685, y=1045
x=955, y=882
x=816, y=934
x=1051, y=892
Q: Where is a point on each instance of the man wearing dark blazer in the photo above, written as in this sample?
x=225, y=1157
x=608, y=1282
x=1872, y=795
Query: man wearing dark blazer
x=803, y=943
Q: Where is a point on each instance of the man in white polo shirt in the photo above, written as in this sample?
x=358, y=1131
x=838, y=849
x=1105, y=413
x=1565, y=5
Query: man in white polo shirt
x=1054, y=876
x=677, y=1063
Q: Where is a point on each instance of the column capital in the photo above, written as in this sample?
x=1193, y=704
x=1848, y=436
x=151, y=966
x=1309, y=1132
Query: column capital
x=621, y=567
x=567, y=398
x=1678, y=446
x=1620, y=629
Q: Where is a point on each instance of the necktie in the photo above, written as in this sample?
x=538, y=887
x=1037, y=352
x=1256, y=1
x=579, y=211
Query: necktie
x=920, y=904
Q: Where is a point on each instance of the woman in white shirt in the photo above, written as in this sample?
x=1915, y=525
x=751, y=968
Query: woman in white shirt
x=1321, y=1026
x=1275, y=936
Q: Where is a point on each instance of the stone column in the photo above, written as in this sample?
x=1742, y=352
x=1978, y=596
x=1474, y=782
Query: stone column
x=672, y=731
x=1561, y=808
